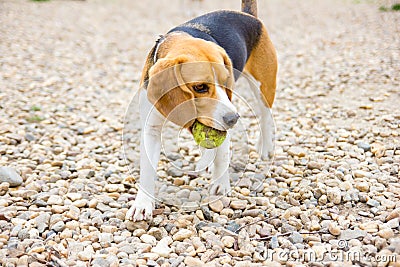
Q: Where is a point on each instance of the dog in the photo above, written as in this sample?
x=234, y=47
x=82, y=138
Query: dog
x=189, y=75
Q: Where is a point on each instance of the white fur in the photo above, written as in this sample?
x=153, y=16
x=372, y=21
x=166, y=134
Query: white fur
x=223, y=107
x=220, y=184
x=150, y=145
x=265, y=144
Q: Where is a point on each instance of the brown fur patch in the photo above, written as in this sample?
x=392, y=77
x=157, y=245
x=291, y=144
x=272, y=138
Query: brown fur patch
x=185, y=61
x=263, y=66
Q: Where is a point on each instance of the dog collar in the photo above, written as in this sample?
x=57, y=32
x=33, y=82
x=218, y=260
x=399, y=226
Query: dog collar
x=159, y=41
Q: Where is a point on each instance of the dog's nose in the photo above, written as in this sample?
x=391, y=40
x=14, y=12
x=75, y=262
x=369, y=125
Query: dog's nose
x=230, y=119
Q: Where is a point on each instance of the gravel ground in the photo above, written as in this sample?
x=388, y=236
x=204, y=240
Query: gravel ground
x=329, y=197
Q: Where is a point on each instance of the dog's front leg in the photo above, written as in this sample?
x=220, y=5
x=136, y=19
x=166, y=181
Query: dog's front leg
x=220, y=184
x=150, y=144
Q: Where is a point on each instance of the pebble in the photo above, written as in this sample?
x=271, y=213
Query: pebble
x=351, y=234
x=59, y=226
x=105, y=237
x=233, y=226
x=194, y=196
x=149, y=239
x=386, y=233
x=74, y=196
x=296, y=151
x=182, y=234
x=388, y=203
x=10, y=176
x=393, y=214
x=86, y=254
x=193, y=262
x=216, y=205
x=362, y=186
x=393, y=223
x=274, y=242
x=206, y=212
x=55, y=200
x=156, y=232
x=364, y=146
x=334, y=195
x=373, y=203
x=282, y=204
x=42, y=221
x=334, y=229
x=175, y=172
x=228, y=241
x=37, y=249
x=73, y=213
x=162, y=248
x=313, y=165
x=238, y=204
x=361, y=174
x=296, y=238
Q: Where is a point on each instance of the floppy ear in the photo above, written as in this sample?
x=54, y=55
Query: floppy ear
x=167, y=91
x=231, y=79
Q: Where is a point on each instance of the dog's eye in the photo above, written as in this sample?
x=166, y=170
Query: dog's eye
x=200, y=88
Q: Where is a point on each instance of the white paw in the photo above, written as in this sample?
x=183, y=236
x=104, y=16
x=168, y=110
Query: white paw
x=142, y=208
x=221, y=186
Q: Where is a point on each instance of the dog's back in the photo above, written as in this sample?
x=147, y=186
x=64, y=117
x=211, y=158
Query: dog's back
x=236, y=32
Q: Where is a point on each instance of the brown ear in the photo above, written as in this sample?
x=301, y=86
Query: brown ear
x=167, y=91
x=231, y=79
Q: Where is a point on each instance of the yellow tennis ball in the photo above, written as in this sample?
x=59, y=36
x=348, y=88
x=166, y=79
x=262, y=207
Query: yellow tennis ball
x=206, y=136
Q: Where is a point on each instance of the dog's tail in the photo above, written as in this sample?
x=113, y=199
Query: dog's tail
x=249, y=7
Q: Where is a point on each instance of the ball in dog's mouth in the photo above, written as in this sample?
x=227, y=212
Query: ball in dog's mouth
x=207, y=136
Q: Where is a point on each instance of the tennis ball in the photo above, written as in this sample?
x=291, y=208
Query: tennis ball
x=206, y=136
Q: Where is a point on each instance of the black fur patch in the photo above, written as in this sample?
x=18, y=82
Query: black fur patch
x=236, y=32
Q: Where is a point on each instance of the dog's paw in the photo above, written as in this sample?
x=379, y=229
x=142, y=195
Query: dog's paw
x=142, y=208
x=220, y=187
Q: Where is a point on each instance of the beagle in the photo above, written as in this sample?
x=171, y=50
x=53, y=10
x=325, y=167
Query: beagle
x=189, y=75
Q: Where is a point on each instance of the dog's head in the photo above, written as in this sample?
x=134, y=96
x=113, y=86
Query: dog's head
x=194, y=81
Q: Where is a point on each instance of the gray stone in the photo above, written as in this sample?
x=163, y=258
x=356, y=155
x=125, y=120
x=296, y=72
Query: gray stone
x=233, y=226
x=206, y=212
x=364, y=146
x=282, y=204
x=296, y=237
x=287, y=228
x=184, y=193
x=352, y=234
x=194, y=196
x=373, y=203
x=100, y=262
x=9, y=175
x=273, y=243
x=42, y=222
x=395, y=245
x=59, y=226
x=175, y=172
x=393, y=223
x=175, y=262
